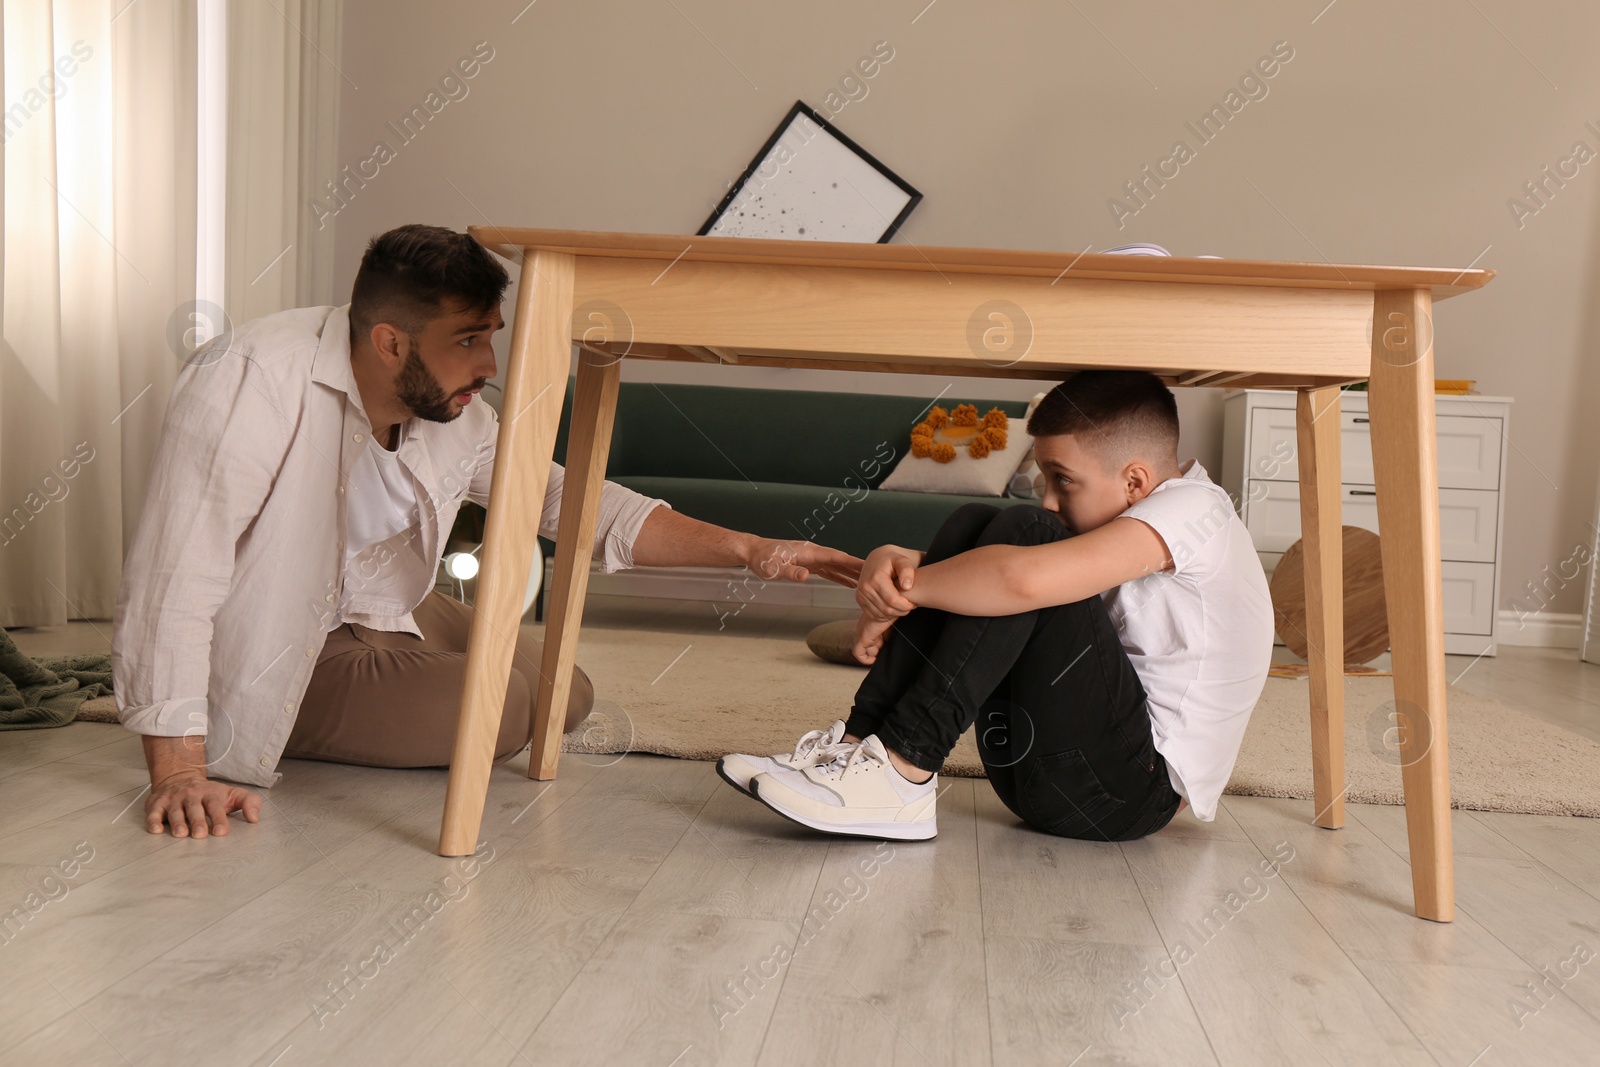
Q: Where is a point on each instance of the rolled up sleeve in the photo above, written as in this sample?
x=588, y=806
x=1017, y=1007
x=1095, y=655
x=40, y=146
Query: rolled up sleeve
x=212, y=469
x=622, y=514
x=622, y=510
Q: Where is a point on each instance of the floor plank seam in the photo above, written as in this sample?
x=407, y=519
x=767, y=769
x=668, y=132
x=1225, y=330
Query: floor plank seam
x=1166, y=948
x=777, y=1002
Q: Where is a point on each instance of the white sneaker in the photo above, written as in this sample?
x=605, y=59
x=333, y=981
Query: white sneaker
x=738, y=768
x=857, y=793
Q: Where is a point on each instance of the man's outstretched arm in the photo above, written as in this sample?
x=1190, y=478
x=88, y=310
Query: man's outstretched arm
x=668, y=538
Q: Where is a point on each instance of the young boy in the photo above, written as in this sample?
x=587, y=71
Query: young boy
x=1109, y=648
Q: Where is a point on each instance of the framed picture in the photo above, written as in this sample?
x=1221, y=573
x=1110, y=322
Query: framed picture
x=810, y=182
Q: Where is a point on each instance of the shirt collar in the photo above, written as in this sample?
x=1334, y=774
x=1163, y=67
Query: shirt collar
x=331, y=366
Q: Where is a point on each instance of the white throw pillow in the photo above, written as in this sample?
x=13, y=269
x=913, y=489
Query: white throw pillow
x=1028, y=482
x=961, y=474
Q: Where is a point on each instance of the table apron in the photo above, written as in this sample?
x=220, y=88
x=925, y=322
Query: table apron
x=976, y=321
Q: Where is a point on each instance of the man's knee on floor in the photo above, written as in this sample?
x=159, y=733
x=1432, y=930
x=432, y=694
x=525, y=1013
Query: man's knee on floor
x=581, y=701
x=516, y=717
x=521, y=693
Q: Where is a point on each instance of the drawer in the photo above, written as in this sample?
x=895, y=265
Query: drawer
x=1272, y=513
x=1468, y=590
x=1468, y=595
x=1468, y=518
x=1274, y=446
x=1468, y=449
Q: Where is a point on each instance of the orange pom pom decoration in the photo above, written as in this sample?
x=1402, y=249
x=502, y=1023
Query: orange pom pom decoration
x=921, y=446
x=965, y=415
x=937, y=417
x=996, y=436
x=979, y=447
x=943, y=453
x=995, y=418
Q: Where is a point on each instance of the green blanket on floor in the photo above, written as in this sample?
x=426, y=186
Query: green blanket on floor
x=36, y=693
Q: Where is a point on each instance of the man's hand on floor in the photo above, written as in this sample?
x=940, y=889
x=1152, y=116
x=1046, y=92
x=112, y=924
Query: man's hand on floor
x=795, y=561
x=183, y=797
x=195, y=806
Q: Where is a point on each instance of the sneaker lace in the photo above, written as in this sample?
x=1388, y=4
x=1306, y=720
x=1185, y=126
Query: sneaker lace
x=809, y=743
x=845, y=755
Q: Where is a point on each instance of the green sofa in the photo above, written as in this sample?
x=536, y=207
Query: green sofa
x=780, y=463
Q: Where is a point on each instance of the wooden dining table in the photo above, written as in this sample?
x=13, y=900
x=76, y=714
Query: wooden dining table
x=953, y=311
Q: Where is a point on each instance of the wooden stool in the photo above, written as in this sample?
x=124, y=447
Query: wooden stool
x=1366, y=617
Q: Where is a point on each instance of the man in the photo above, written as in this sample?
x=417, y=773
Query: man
x=277, y=596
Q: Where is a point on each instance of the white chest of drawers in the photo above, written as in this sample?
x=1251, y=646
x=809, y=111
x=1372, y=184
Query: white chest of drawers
x=1260, y=472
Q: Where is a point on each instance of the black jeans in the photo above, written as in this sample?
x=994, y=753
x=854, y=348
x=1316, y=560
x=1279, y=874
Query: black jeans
x=1062, y=726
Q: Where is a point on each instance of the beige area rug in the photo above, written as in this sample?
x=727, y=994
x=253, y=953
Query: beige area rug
x=699, y=696
x=97, y=709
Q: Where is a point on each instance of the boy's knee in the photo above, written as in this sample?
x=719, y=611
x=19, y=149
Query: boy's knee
x=1024, y=524
x=960, y=531
x=974, y=512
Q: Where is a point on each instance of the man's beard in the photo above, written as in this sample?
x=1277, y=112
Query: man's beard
x=421, y=393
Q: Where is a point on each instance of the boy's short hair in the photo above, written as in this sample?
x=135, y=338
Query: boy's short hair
x=1118, y=415
x=408, y=274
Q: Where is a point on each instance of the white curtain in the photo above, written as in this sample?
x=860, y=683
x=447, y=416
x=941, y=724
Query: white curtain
x=98, y=254
x=283, y=105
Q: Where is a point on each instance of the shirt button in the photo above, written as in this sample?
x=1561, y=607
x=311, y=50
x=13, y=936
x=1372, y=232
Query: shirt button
x=265, y=762
x=310, y=652
x=329, y=598
x=357, y=438
x=341, y=490
x=288, y=709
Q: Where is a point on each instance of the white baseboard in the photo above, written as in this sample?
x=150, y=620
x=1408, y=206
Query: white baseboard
x=731, y=587
x=1541, y=629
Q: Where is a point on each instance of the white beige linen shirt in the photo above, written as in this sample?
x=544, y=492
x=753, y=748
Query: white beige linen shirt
x=238, y=561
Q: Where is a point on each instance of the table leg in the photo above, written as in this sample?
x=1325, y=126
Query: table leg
x=594, y=408
x=1322, y=537
x=541, y=352
x=1406, y=473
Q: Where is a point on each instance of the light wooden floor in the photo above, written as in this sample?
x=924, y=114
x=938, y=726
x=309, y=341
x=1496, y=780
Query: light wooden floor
x=638, y=911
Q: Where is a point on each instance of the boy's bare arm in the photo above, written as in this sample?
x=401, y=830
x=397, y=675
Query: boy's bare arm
x=1009, y=579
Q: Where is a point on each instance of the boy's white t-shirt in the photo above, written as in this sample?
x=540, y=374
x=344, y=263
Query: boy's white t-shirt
x=1199, y=636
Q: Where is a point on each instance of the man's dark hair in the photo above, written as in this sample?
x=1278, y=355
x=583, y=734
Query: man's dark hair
x=1118, y=415
x=409, y=274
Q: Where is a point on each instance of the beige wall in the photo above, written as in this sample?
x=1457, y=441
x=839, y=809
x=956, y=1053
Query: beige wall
x=1396, y=134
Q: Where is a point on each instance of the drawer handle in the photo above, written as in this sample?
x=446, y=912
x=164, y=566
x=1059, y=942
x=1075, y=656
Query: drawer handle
x=1360, y=420
x=1363, y=492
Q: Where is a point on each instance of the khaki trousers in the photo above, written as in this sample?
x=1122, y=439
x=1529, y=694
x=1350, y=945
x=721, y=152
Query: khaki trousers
x=380, y=699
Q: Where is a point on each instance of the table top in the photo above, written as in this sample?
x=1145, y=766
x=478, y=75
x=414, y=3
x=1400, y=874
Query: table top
x=1442, y=281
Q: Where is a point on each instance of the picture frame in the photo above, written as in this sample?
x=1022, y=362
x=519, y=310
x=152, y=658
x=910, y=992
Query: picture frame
x=811, y=182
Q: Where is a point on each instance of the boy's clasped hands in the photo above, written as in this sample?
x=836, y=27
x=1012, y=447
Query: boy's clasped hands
x=886, y=577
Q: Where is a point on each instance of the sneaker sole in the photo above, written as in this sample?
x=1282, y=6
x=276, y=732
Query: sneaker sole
x=726, y=777
x=893, y=831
